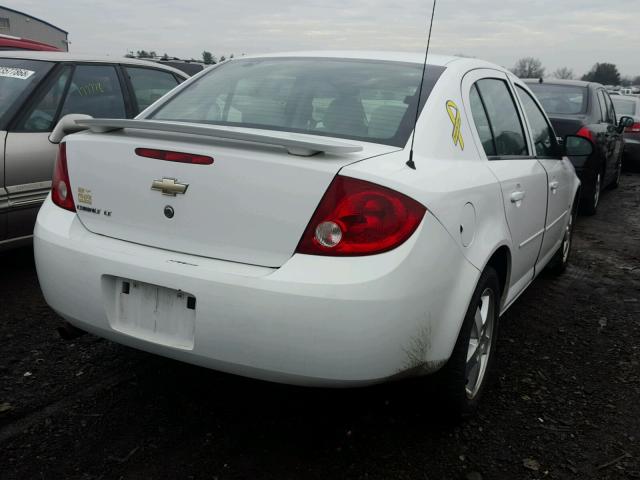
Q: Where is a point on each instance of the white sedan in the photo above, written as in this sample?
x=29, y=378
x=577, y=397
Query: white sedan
x=273, y=217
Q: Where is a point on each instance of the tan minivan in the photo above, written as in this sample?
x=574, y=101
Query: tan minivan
x=36, y=90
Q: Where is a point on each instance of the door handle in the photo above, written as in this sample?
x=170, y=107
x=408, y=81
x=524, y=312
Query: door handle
x=554, y=186
x=517, y=196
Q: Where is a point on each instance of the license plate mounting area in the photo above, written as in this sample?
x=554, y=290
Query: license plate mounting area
x=154, y=313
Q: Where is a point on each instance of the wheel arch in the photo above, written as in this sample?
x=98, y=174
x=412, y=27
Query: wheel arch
x=500, y=261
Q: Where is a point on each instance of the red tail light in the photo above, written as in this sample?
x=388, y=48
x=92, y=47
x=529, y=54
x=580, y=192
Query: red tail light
x=356, y=218
x=635, y=128
x=586, y=133
x=60, y=186
x=179, y=157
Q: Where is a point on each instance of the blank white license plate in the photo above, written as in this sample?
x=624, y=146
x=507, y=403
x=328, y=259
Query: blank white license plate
x=156, y=314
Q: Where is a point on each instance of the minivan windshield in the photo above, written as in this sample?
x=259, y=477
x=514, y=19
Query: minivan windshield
x=17, y=78
x=365, y=100
x=561, y=99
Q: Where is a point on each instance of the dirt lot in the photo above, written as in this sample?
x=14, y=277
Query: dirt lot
x=566, y=403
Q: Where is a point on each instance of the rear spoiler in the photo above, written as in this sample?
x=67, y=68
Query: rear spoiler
x=295, y=143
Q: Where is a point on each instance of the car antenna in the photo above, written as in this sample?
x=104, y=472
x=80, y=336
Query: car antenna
x=410, y=163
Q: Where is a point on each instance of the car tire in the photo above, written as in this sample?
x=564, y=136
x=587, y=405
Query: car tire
x=592, y=199
x=560, y=260
x=463, y=380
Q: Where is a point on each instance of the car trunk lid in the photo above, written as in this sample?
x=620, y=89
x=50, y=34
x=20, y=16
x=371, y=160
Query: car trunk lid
x=251, y=205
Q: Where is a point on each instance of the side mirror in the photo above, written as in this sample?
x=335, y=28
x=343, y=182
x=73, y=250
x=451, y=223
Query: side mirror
x=66, y=126
x=625, y=122
x=575, y=146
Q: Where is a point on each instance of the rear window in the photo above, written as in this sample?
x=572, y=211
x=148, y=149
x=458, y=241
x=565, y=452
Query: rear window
x=561, y=99
x=354, y=99
x=625, y=106
x=17, y=79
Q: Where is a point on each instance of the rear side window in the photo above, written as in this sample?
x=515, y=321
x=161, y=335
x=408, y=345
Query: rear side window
x=608, y=115
x=610, y=108
x=357, y=99
x=561, y=99
x=95, y=90
x=149, y=85
x=544, y=138
x=508, y=133
x=482, y=122
x=603, y=107
x=42, y=115
x=17, y=80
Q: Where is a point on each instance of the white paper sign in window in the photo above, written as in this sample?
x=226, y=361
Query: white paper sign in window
x=19, y=73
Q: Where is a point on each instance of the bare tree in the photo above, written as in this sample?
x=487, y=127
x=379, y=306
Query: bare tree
x=529, y=67
x=564, y=73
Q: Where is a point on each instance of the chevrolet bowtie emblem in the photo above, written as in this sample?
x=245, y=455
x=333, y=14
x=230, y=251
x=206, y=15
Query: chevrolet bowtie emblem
x=169, y=186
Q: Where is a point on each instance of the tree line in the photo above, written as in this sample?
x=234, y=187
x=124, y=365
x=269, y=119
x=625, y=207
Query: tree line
x=527, y=67
x=604, y=73
x=207, y=57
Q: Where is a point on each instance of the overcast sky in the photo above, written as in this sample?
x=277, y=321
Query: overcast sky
x=573, y=33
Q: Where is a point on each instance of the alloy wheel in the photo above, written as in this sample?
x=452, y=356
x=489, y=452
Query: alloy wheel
x=596, y=194
x=480, y=342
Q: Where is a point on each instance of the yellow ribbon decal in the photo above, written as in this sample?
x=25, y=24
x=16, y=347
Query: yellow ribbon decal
x=456, y=119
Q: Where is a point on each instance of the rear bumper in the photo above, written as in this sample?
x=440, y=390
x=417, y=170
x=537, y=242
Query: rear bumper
x=314, y=321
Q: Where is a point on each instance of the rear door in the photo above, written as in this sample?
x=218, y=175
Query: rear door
x=93, y=89
x=607, y=135
x=615, y=140
x=522, y=178
x=18, y=79
x=559, y=173
x=29, y=155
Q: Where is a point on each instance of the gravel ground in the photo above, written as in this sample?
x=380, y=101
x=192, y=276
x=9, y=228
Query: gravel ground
x=566, y=403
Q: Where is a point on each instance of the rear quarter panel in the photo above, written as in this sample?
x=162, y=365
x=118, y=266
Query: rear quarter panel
x=448, y=176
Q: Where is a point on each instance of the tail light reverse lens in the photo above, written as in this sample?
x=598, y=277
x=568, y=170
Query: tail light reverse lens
x=356, y=218
x=61, y=187
x=635, y=128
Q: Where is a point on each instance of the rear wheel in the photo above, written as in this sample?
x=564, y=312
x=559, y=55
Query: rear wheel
x=464, y=378
x=592, y=199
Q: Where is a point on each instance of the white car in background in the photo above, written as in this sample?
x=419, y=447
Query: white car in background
x=265, y=219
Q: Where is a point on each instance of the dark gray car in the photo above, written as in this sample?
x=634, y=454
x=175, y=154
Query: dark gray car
x=36, y=90
x=585, y=109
